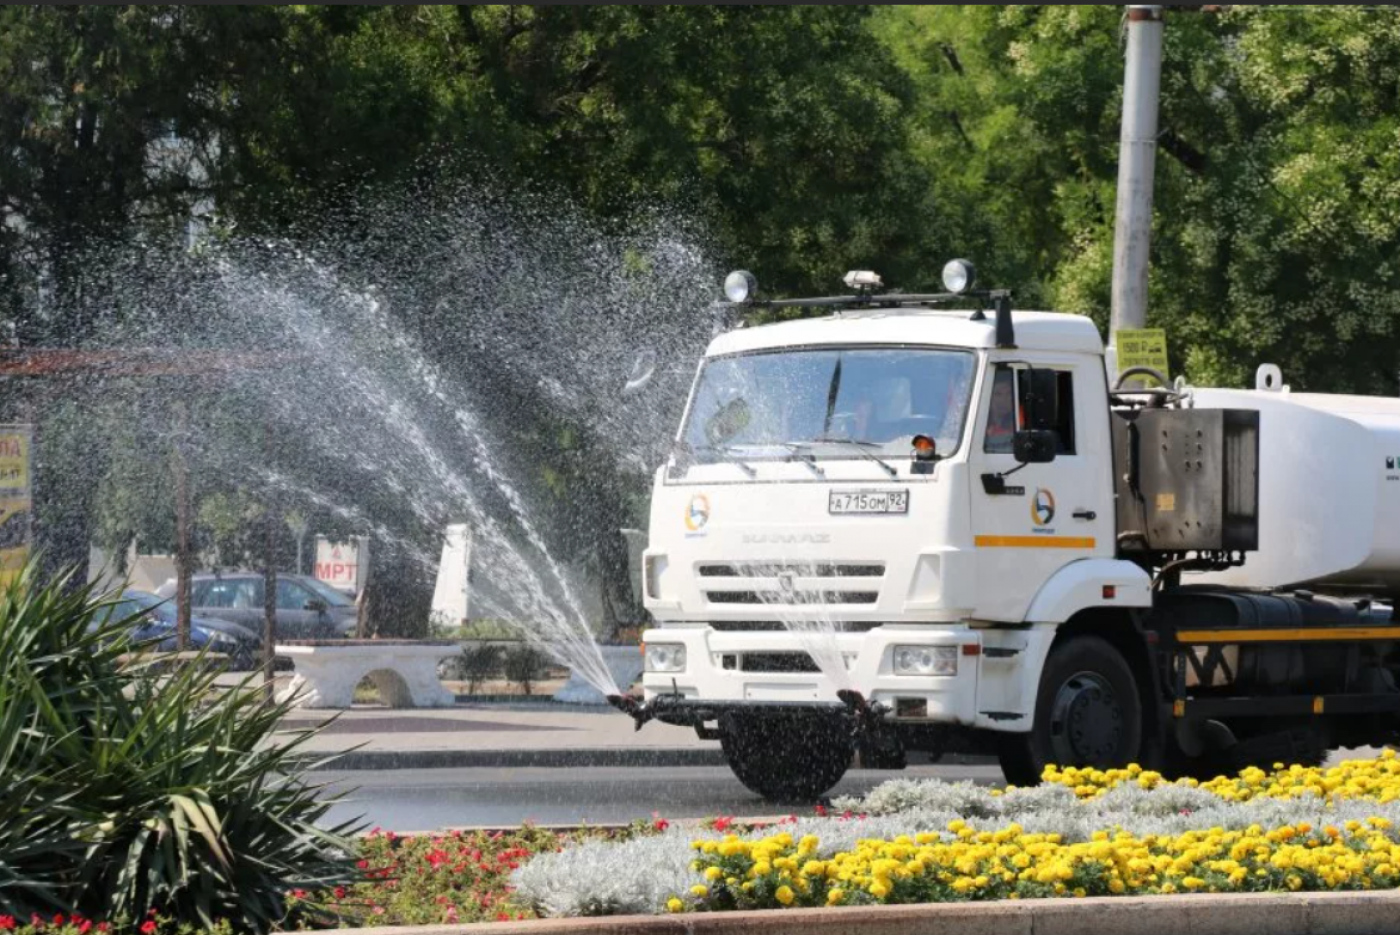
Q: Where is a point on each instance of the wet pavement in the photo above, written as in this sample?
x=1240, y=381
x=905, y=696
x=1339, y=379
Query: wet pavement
x=431, y=799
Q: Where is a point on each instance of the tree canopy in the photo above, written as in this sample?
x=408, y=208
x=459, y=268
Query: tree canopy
x=800, y=141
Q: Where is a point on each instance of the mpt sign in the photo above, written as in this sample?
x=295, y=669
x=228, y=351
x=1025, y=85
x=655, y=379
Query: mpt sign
x=341, y=564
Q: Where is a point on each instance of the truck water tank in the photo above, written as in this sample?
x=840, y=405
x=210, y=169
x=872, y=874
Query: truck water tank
x=1329, y=491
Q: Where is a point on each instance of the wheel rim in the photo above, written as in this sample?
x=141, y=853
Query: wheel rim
x=1086, y=721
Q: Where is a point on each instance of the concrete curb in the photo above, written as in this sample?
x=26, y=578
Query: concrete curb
x=1352, y=913
x=559, y=758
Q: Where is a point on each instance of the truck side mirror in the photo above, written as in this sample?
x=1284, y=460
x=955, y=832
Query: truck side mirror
x=1034, y=446
x=315, y=605
x=1041, y=395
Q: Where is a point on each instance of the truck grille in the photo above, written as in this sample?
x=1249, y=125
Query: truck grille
x=790, y=598
x=777, y=662
x=791, y=583
x=816, y=570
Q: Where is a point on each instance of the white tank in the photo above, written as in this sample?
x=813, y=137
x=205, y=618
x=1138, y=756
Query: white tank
x=1329, y=490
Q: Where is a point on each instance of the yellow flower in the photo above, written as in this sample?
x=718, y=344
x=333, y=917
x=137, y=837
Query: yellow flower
x=834, y=896
x=784, y=895
x=700, y=890
x=879, y=890
x=713, y=873
x=674, y=905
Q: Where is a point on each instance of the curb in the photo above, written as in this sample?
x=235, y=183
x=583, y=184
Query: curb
x=1347, y=913
x=558, y=759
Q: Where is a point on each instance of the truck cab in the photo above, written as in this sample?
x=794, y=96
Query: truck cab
x=845, y=510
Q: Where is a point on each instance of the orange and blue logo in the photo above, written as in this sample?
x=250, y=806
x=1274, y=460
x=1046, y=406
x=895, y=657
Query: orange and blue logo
x=1042, y=507
x=697, y=512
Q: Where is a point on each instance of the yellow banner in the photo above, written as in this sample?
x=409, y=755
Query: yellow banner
x=15, y=444
x=1143, y=347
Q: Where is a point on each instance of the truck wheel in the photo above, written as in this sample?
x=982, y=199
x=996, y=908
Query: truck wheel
x=786, y=758
x=1087, y=713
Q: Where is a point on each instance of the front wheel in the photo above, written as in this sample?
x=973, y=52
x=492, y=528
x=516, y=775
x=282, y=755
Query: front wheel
x=1087, y=713
x=786, y=757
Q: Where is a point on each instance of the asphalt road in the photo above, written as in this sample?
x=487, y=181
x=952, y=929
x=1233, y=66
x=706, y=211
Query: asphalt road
x=427, y=800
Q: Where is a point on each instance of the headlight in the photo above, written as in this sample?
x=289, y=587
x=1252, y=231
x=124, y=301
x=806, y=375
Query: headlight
x=925, y=660
x=665, y=657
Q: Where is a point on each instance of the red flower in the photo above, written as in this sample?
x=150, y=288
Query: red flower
x=340, y=892
x=503, y=917
x=723, y=822
x=36, y=920
x=85, y=927
x=821, y=810
x=298, y=894
x=662, y=824
x=7, y=923
x=363, y=864
x=58, y=918
x=148, y=927
x=104, y=926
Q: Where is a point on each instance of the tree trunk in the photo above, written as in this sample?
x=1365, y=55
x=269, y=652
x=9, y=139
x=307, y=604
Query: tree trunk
x=184, y=560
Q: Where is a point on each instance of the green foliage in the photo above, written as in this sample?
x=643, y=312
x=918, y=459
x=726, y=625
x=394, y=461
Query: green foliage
x=524, y=665
x=128, y=791
x=479, y=663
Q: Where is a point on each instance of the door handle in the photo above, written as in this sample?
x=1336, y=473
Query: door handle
x=1084, y=514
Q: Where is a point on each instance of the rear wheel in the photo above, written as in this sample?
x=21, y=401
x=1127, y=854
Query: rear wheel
x=1087, y=713
x=786, y=757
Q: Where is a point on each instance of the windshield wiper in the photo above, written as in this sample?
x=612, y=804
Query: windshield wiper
x=726, y=454
x=807, y=459
x=860, y=446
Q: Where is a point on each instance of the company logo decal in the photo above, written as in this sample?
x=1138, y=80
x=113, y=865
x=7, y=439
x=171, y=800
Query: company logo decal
x=1042, y=506
x=697, y=513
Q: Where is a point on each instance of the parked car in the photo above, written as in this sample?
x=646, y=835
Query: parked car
x=306, y=608
x=153, y=621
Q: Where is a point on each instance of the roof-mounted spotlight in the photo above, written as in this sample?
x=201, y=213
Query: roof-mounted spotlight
x=862, y=280
x=740, y=287
x=958, y=276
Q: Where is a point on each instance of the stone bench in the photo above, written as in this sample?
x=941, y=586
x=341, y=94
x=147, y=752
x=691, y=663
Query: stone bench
x=403, y=671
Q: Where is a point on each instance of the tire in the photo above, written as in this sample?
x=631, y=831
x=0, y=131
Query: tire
x=1088, y=712
x=786, y=758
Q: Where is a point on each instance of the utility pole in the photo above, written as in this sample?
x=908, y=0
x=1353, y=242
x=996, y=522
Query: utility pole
x=1137, y=160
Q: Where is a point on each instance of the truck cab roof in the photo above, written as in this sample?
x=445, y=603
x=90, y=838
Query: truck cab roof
x=1049, y=331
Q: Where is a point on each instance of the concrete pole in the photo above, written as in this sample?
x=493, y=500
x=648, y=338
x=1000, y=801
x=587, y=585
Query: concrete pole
x=1137, y=160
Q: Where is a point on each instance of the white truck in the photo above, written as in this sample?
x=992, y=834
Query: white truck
x=901, y=527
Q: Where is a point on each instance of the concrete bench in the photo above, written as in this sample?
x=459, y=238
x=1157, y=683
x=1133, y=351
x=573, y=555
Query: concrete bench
x=403, y=671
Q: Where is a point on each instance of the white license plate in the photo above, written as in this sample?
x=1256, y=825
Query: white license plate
x=868, y=501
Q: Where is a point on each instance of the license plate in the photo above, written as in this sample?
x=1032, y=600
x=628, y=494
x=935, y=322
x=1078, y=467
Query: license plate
x=868, y=501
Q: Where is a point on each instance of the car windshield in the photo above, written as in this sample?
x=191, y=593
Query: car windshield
x=327, y=593
x=880, y=397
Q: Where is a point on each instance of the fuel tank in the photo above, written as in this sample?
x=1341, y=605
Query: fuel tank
x=1329, y=492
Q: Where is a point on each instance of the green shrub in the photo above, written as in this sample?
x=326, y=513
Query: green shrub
x=129, y=791
x=479, y=663
x=524, y=665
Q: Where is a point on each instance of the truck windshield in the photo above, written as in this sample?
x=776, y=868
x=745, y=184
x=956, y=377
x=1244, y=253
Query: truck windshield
x=880, y=397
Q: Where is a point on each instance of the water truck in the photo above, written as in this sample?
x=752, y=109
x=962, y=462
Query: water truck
x=908, y=528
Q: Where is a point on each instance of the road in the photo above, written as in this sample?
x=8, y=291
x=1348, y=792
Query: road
x=427, y=800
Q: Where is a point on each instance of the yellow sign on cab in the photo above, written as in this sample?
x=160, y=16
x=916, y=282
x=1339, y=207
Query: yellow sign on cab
x=1143, y=347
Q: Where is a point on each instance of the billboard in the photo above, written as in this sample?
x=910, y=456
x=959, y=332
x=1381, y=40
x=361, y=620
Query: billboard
x=16, y=473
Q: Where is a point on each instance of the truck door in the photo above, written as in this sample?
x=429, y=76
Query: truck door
x=1047, y=515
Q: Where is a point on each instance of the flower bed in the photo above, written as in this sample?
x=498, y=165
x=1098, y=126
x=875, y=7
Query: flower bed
x=1080, y=833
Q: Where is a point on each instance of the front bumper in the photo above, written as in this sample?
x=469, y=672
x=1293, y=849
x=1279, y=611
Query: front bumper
x=714, y=679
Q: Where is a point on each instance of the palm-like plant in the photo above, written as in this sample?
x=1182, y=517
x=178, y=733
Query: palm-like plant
x=152, y=790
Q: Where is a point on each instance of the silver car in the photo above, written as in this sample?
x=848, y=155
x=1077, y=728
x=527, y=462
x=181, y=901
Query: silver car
x=306, y=608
